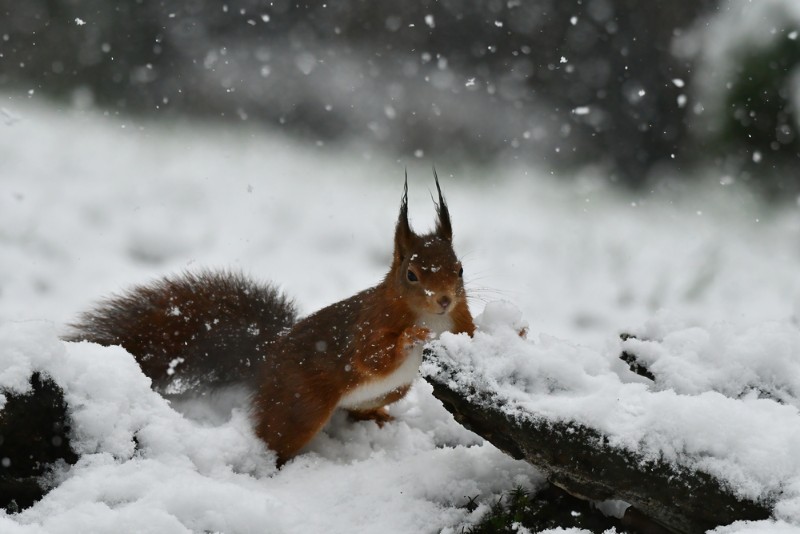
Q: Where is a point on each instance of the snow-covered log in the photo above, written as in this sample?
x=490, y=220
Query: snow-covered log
x=581, y=461
x=690, y=461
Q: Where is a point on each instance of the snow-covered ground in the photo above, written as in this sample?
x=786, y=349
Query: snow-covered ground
x=92, y=204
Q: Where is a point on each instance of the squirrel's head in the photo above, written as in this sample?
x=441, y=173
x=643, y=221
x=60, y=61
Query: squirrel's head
x=425, y=269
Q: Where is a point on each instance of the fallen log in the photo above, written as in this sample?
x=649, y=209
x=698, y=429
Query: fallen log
x=581, y=461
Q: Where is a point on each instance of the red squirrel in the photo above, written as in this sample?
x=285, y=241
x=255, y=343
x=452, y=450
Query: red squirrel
x=201, y=331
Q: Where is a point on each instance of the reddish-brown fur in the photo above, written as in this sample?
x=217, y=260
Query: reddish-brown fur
x=302, y=376
x=359, y=340
x=192, y=333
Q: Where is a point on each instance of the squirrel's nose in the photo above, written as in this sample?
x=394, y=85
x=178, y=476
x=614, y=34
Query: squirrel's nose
x=444, y=301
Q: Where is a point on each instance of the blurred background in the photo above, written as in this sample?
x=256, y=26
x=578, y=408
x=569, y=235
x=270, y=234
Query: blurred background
x=647, y=94
x=605, y=160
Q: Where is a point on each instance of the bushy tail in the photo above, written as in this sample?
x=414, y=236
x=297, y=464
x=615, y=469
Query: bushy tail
x=192, y=333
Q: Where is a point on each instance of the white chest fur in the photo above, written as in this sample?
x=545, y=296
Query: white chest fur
x=367, y=396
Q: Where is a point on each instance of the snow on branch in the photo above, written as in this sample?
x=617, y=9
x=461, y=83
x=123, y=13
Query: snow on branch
x=690, y=458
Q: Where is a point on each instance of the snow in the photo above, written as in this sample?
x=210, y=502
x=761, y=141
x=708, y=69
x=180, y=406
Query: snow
x=759, y=361
x=189, y=476
x=88, y=208
x=750, y=443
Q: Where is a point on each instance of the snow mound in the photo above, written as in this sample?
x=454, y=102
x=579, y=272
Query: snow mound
x=145, y=467
x=761, y=361
x=700, y=417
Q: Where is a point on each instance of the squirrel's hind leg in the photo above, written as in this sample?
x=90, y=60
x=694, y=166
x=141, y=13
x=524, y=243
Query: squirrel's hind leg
x=376, y=410
x=380, y=415
x=287, y=420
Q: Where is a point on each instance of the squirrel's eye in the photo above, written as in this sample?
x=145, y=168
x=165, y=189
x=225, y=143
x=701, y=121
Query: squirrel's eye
x=411, y=276
x=461, y=272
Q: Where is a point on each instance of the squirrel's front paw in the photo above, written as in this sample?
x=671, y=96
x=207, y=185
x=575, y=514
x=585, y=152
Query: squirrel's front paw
x=416, y=335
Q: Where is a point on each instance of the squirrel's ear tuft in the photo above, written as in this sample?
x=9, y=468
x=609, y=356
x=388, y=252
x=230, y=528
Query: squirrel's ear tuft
x=402, y=232
x=444, y=228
